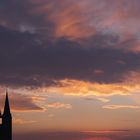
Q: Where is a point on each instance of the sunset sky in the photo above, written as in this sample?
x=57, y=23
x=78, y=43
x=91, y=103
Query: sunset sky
x=72, y=68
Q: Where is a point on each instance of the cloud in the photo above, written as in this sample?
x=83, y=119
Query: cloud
x=83, y=18
x=27, y=20
x=21, y=103
x=51, y=115
x=72, y=19
x=24, y=62
x=104, y=100
x=64, y=64
x=95, y=138
x=58, y=105
x=120, y=135
x=121, y=107
x=85, y=89
x=48, y=47
x=18, y=121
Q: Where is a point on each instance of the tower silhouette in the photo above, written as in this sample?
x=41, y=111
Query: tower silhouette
x=6, y=124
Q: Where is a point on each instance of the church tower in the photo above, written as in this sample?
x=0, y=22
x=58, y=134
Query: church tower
x=7, y=120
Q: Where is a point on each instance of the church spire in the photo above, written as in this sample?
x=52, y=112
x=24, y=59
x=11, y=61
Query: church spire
x=6, y=106
x=6, y=121
x=0, y=114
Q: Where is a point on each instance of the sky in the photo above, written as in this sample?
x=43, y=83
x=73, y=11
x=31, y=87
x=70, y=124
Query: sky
x=72, y=68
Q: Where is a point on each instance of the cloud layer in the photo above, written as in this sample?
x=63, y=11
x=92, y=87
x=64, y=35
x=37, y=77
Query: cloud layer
x=75, y=41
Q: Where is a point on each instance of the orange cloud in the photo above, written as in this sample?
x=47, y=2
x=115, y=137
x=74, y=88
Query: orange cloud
x=81, y=88
x=70, y=21
x=22, y=121
x=68, y=18
x=121, y=107
x=58, y=105
x=128, y=86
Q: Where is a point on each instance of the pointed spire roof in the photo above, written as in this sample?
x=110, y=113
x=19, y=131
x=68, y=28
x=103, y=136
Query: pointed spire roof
x=6, y=106
x=0, y=113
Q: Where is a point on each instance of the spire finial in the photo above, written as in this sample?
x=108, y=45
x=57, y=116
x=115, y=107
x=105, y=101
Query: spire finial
x=7, y=107
x=6, y=91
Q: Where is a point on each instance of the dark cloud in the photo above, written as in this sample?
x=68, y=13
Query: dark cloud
x=51, y=136
x=24, y=61
x=21, y=102
x=77, y=136
x=22, y=16
x=31, y=54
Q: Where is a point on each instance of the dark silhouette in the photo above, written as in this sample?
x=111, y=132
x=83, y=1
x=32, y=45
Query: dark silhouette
x=6, y=124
